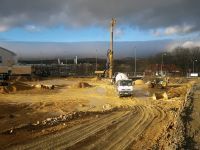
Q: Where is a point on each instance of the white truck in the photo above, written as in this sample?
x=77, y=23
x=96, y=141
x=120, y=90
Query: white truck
x=124, y=85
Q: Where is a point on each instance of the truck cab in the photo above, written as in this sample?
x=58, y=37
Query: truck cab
x=124, y=88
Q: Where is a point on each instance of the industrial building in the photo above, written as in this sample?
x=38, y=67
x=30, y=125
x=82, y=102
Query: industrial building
x=7, y=57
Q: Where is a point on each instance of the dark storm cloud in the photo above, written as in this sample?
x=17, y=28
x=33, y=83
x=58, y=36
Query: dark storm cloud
x=173, y=16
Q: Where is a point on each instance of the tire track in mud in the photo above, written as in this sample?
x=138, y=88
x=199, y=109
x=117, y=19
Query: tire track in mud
x=117, y=130
x=126, y=135
x=46, y=141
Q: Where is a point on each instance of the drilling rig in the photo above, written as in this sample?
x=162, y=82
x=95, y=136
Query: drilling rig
x=108, y=72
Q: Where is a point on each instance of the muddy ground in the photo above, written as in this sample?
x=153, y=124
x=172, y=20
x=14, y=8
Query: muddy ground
x=89, y=116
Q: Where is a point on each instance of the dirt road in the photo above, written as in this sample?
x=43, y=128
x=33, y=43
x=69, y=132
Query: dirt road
x=117, y=130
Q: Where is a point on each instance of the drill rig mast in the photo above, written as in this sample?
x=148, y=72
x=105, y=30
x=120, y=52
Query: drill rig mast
x=110, y=54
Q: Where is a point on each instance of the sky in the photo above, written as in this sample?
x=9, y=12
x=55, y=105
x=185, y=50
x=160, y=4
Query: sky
x=28, y=27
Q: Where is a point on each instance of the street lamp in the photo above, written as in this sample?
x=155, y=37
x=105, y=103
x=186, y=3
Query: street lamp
x=163, y=54
x=96, y=59
x=193, y=64
x=135, y=62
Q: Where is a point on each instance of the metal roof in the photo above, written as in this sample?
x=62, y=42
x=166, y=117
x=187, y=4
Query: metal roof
x=1, y=48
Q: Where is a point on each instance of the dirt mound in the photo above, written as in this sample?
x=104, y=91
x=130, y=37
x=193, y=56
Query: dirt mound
x=177, y=92
x=178, y=80
x=6, y=89
x=139, y=82
x=158, y=96
x=82, y=85
x=20, y=86
x=17, y=86
x=171, y=93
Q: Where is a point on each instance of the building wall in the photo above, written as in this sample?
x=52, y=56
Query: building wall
x=7, y=58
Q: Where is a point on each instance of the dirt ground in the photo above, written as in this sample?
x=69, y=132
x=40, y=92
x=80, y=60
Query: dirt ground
x=191, y=120
x=74, y=115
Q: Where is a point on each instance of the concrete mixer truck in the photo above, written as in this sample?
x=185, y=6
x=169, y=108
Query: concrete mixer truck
x=124, y=85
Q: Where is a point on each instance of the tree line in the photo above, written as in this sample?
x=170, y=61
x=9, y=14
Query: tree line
x=186, y=59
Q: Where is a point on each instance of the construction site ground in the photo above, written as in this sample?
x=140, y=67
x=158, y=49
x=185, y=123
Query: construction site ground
x=74, y=115
x=191, y=120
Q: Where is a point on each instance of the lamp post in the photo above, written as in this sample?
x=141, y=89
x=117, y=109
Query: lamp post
x=135, y=63
x=96, y=59
x=163, y=54
x=193, y=64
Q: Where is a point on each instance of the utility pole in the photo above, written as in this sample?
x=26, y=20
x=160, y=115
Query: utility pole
x=162, y=64
x=193, y=64
x=135, y=62
x=96, y=59
x=113, y=22
x=76, y=60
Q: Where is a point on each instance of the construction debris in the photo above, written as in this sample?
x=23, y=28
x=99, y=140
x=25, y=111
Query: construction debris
x=44, y=86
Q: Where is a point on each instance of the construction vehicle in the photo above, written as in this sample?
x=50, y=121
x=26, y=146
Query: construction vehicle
x=16, y=71
x=158, y=82
x=108, y=72
x=124, y=85
x=4, y=75
x=4, y=79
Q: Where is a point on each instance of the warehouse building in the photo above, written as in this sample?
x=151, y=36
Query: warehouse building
x=7, y=57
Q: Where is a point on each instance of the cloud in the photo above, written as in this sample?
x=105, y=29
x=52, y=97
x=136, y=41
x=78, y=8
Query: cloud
x=173, y=30
x=119, y=32
x=157, y=32
x=178, y=29
x=185, y=44
x=173, y=16
x=32, y=28
x=3, y=28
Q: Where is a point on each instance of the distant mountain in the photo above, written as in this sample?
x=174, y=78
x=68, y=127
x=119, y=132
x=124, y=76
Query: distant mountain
x=42, y=50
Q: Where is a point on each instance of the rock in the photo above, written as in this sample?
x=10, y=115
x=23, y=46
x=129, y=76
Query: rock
x=38, y=86
x=11, y=131
x=165, y=96
x=107, y=107
x=70, y=116
x=44, y=122
x=154, y=97
x=97, y=116
x=48, y=119
x=82, y=105
x=38, y=122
